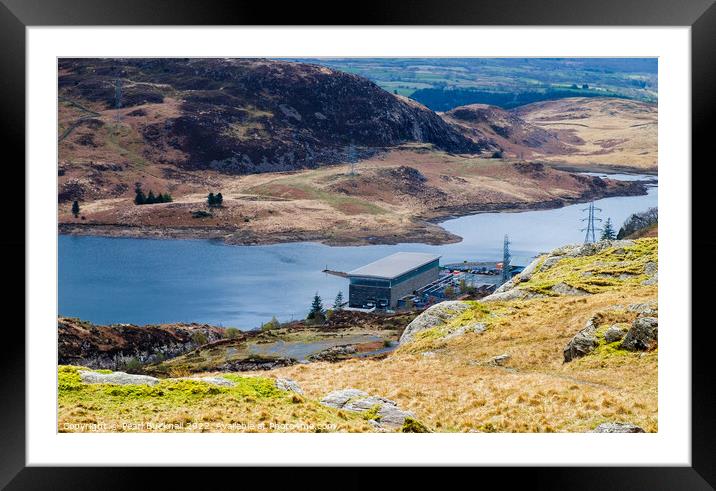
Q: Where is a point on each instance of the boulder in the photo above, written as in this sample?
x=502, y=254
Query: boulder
x=617, y=428
x=476, y=327
x=565, y=289
x=647, y=308
x=511, y=294
x=583, y=343
x=220, y=381
x=643, y=334
x=614, y=333
x=116, y=378
x=339, y=398
x=499, y=360
x=288, y=385
x=387, y=412
x=549, y=262
x=432, y=317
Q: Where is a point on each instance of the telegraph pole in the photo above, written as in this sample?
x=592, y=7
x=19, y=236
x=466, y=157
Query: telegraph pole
x=590, y=235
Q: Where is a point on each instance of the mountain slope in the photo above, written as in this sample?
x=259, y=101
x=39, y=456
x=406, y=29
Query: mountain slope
x=233, y=115
x=578, y=130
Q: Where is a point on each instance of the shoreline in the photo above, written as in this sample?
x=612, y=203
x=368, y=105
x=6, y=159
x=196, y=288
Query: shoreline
x=428, y=229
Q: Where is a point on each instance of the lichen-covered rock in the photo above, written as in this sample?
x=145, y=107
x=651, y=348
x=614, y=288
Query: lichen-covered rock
x=643, y=334
x=288, y=385
x=510, y=294
x=583, y=343
x=647, y=308
x=220, y=381
x=116, y=378
x=617, y=428
x=476, y=327
x=565, y=289
x=339, y=398
x=614, y=333
x=432, y=317
x=384, y=411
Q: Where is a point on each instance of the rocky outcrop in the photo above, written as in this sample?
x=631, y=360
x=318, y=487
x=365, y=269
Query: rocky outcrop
x=583, y=343
x=257, y=115
x=118, y=346
x=116, y=378
x=614, y=333
x=617, y=428
x=288, y=385
x=643, y=334
x=384, y=412
x=432, y=317
x=121, y=378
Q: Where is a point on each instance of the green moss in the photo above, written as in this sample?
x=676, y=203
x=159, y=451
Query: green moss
x=611, y=268
x=68, y=378
x=372, y=413
x=411, y=425
x=254, y=386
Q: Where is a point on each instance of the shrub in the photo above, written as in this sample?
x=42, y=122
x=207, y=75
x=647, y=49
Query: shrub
x=231, y=333
x=411, y=425
x=199, y=338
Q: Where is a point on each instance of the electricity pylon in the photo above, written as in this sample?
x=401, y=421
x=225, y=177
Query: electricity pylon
x=506, y=256
x=591, y=229
x=117, y=97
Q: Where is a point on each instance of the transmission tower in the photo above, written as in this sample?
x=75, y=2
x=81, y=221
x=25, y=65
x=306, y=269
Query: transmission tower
x=591, y=228
x=506, y=268
x=117, y=96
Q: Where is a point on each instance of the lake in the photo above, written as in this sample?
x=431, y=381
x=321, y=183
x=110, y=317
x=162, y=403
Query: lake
x=146, y=281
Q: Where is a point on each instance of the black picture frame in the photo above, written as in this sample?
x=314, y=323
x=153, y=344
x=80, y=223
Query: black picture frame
x=16, y=15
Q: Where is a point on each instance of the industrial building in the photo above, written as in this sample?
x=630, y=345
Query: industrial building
x=382, y=283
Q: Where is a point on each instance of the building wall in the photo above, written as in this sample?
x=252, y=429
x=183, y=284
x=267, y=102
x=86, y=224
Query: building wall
x=358, y=295
x=412, y=284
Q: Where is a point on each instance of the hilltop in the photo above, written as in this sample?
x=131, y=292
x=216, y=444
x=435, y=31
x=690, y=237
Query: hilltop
x=569, y=345
x=237, y=116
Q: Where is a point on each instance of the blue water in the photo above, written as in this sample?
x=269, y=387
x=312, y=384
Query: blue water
x=145, y=281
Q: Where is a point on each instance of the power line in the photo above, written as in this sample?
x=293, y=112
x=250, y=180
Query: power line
x=590, y=235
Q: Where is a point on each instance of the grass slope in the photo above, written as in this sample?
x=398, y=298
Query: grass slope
x=447, y=381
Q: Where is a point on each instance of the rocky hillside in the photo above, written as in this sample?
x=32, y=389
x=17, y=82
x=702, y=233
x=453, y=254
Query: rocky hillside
x=600, y=131
x=233, y=115
x=570, y=345
x=502, y=130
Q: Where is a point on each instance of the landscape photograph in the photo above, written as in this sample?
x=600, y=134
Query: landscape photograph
x=382, y=245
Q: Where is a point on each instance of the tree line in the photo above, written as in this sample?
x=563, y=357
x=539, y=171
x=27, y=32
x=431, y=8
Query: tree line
x=150, y=198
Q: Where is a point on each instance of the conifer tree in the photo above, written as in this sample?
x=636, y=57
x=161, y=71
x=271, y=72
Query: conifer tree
x=608, y=231
x=211, y=199
x=139, y=198
x=219, y=199
x=338, y=302
x=75, y=208
x=316, y=313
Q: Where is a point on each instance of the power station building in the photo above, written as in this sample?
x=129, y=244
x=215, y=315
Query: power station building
x=381, y=283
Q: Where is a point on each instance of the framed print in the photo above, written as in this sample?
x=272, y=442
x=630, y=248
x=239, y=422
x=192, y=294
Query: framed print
x=256, y=242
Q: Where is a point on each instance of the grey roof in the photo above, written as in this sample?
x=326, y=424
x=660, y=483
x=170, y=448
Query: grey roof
x=394, y=265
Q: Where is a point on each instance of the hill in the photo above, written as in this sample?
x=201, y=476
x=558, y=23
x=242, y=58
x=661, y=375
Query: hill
x=606, y=131
x=581, y=132
x=568, y=345
x=233, y=115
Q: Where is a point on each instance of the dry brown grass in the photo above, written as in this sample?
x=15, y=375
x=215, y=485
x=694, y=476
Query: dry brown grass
x=454, y=390
x=612, y=131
